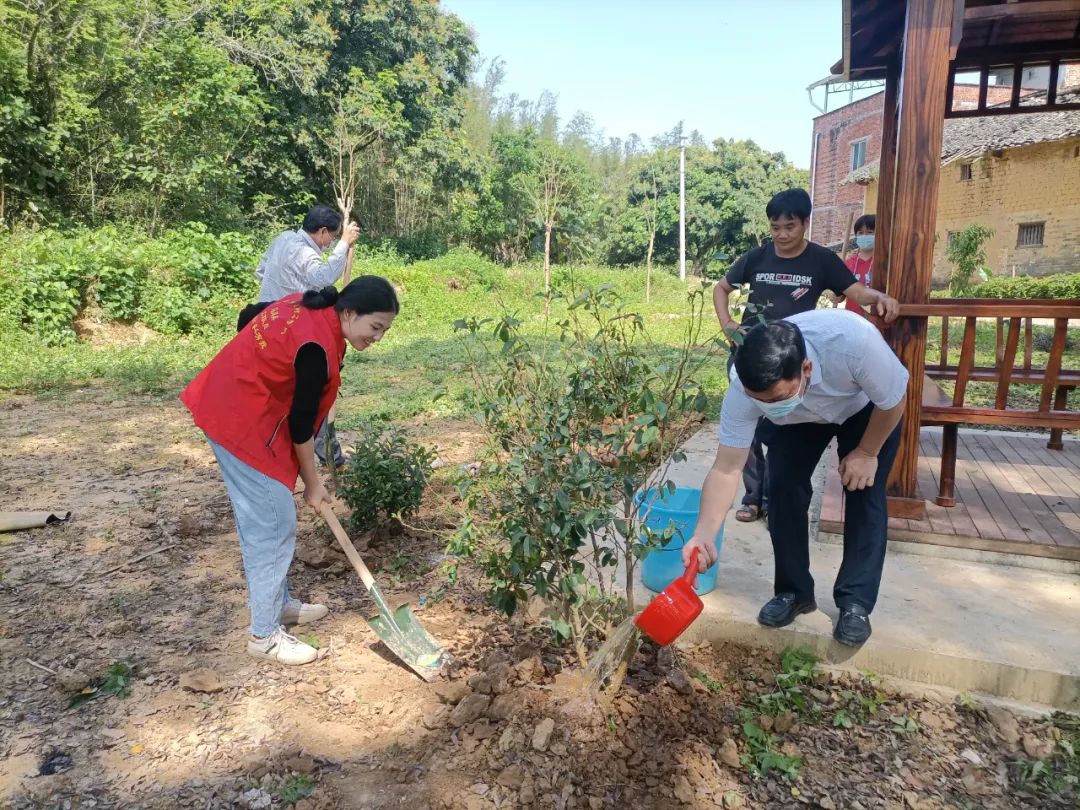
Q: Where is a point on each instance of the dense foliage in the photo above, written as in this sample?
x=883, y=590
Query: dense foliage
x=185, y=280
x=236, y=114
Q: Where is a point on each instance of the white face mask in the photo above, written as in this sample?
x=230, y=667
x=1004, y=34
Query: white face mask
x=864, y=241
x=780, y=409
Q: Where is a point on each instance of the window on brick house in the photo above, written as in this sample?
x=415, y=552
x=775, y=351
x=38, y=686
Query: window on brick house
x=965, y=171
x=1030, y=234
x=858, y=154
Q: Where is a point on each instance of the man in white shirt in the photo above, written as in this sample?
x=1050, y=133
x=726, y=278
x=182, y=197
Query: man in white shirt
x=293, y=264
x=813, y=376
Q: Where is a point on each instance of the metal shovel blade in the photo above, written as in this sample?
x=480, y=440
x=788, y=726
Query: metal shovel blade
x=408, y=640
x=398, y=629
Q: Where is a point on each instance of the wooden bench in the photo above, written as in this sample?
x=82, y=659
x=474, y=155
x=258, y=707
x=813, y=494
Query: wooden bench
x=949, y=412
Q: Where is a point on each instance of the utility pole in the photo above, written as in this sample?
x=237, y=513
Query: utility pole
x=682, y=208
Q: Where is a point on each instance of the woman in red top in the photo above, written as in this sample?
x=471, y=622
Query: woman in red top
x=258, y=402
x=861, y=262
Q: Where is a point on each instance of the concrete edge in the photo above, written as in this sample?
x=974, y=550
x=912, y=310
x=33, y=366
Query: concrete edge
x=1060, y=690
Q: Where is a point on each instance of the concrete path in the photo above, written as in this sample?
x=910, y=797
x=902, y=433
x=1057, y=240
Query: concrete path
x=976, y=622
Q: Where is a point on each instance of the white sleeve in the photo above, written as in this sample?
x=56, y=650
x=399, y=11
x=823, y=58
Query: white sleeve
x=738, y=418
x=319, y=274
x=878, y=371
x=260, y=271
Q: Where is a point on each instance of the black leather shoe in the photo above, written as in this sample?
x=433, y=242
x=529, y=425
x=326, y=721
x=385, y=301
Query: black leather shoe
x=781, y=610
x=853, y=627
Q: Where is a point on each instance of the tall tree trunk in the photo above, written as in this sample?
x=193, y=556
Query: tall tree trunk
x=547, y=262
x=648, y=266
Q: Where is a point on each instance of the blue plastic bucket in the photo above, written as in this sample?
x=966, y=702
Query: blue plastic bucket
x=679, y=510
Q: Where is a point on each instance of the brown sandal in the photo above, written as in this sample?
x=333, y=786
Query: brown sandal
x=749, y=513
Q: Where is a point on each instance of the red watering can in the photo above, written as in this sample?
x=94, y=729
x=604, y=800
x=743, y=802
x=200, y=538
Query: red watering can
x=674, y=609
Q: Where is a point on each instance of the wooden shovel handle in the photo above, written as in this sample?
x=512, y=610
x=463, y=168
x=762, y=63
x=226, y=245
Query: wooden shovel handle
x=347, y=546
x=348, y=267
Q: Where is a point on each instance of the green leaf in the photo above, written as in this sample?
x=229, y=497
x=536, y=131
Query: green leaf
x=561, y=629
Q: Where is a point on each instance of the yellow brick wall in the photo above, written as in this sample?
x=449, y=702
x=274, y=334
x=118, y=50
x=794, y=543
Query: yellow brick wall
x=1039, y=183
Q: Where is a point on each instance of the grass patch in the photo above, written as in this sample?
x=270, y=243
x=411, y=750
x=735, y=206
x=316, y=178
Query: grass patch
x=1059, y=773
x=982, y=394
x=420, y=368
x=295, y=788
x=762, y=754
x=798, y=671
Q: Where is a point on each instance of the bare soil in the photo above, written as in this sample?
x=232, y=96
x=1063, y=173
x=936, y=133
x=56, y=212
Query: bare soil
x=356, y=730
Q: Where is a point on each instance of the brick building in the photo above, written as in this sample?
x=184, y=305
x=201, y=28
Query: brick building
x=1017, y=174
x=847, y=139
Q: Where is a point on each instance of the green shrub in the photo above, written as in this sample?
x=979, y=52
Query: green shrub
x=170, y=309
x=185, y=280
x=48, y=283
x=579, y=419
x=1056, y=287
x=385, y=476
x=202, y=263
x=463, y=266
x=48, y=307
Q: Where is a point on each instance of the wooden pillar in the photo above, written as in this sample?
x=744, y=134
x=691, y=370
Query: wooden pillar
x=923, y=79
x=947, y=488
x=886, y=181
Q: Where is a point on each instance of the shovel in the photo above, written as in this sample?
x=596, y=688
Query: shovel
x=674, y=609
x=399, y=630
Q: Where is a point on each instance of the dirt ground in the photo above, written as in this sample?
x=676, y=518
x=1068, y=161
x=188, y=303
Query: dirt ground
x=205, y=726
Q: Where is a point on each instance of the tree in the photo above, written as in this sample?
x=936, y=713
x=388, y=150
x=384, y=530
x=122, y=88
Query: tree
x=559, y=178
x=179, y=161
x=503, y=216
x=579, y=422
x=966, y=252
x=657, y=210
x=363, y=114
x=167, y=111
x=727, y=189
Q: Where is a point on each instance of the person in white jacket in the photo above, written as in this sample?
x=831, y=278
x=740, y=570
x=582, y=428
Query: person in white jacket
x=294, y=264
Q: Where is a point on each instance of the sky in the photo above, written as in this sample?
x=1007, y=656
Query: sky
x=728, y=68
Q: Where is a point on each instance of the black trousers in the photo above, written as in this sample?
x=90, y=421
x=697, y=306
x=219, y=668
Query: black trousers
x=794, y=451
x=755, y=473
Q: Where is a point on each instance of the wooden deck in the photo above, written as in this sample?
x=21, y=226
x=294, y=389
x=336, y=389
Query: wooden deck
x=1012, y=495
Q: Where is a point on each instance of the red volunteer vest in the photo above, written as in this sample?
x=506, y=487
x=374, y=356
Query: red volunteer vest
x=862, y=269
x=242, y=399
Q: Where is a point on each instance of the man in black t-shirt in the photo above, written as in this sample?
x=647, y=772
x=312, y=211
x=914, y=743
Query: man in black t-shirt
x=787, y=276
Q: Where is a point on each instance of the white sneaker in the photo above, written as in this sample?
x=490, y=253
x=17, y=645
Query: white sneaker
x=281, y=647
x=302, y=613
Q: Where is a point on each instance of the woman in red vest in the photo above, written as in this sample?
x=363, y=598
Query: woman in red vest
x=259, y=402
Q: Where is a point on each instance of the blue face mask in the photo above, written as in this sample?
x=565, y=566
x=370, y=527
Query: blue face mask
x=778, y=410
x=864, y=241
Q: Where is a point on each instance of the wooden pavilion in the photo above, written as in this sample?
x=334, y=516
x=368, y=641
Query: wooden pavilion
x=920, y=47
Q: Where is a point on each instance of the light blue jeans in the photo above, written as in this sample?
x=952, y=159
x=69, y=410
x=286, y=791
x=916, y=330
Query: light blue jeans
x=266, y=522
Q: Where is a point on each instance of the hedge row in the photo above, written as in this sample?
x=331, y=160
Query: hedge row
x=1061, y=286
